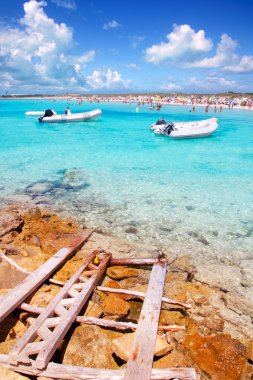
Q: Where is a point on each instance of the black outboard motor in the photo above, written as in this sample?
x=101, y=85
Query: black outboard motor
x=168, y=128
x=48, y=113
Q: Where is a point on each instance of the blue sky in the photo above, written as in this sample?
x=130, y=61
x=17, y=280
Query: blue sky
x=123, y=46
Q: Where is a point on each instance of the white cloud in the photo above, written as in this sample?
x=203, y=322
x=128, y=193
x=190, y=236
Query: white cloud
x=226, y=58
x=35, y=55
x=106, y=79
x=68, y=4
x=111, y=25
x=225, y=54
x=183, y=43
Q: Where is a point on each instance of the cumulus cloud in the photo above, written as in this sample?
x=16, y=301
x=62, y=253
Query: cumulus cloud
x=113, y=24
x=183, y=43
x=131, y=66
x=106, y=79
x=226, y=58
x=68, y=4
x=35, y=55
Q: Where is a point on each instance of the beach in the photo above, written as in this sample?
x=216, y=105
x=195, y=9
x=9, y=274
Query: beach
x=144, y=194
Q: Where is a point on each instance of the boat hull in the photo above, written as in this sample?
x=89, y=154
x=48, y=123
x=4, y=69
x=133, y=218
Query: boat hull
x=85, y=116
x=191, y=129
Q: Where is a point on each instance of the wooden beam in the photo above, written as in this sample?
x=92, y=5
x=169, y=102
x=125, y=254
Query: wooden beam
x=139, y=365
x=17, y=295
x=133, y=261
x=66, y=372
x=141, y=295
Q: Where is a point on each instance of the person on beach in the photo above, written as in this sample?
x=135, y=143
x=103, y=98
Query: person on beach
x=207, y=108
x=220, y=108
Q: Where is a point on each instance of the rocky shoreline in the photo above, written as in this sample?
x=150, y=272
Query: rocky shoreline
x=219, y=333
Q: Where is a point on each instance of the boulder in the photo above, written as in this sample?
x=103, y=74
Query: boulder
x=122, y=346
x=91, y=346
x=113, y=305
x=118, y=273
x=93, y=310
x=220, y=356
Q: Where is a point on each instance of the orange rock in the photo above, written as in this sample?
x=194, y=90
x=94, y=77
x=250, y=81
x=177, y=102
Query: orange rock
x=118, y=273
x=220, y=356
x=113, y=305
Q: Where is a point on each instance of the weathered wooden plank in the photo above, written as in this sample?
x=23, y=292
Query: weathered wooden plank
x=66, y=372
x=58, y=334
x=139, y=365
x=133, y=261
x=17, y=295
x=141, y=295
x=31, y=333
x=122, y=325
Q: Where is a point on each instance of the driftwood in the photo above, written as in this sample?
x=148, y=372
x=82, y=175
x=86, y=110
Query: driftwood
x=17, y=295
x=133, y=261
x=67, y=372
x=141, y=295
x=139, y=365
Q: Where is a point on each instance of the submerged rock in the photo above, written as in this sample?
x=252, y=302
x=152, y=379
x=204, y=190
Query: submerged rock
x=75, y=178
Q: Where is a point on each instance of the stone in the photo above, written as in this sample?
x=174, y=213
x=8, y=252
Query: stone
x=7, y=374
x=239, y=303
x=119, y=273
x=10, y=220
x=91, y=346
x=182, y=263
x=93, y=310
x=115, y=285
x=122, y=346
x=220, y=356
x=113, y=305
x=173, y=359
x=171, y=318
x=39, y=188
x=222, y=276
x=247, y=270
x=74, y=178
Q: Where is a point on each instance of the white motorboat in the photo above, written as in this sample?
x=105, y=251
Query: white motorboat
x=71, y=117
x=189, y=129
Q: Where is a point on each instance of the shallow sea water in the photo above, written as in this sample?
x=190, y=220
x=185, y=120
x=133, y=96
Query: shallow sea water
x=191, y=196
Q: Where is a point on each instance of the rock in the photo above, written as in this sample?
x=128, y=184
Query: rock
x=115, y=285
x=113, y=305
x=250, y=351
x=220, y=356
x=182, y=263
x=7, y=374
x=118, y=273
x=75, y=178
x=10, y=221
x=174, y=359
x=219, y=275
x=122, y=346
x=247, y=270
x=91, y=346
x=39, y=188
x=93, y=310
x=239, y=303
x=171, y=318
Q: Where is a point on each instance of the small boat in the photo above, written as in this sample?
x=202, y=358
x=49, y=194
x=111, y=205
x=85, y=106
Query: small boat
x=71, y=117
x=189, y=129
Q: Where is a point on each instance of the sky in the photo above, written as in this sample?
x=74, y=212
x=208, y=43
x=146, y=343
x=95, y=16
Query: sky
x=125, y=46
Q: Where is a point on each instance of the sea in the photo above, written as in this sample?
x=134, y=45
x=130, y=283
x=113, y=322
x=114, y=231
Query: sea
x=190, y=196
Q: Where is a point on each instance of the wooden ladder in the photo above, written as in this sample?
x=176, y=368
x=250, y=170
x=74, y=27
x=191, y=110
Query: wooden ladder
x=41, y=340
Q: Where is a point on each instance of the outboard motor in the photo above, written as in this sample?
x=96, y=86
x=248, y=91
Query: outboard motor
x=168, y=128
x=48, y=113
x=160, y=122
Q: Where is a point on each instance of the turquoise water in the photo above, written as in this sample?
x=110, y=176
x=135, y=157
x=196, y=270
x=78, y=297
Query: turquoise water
x=115, y=174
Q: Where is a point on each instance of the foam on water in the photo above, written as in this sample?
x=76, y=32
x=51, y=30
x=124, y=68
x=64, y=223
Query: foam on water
x=114, y=173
